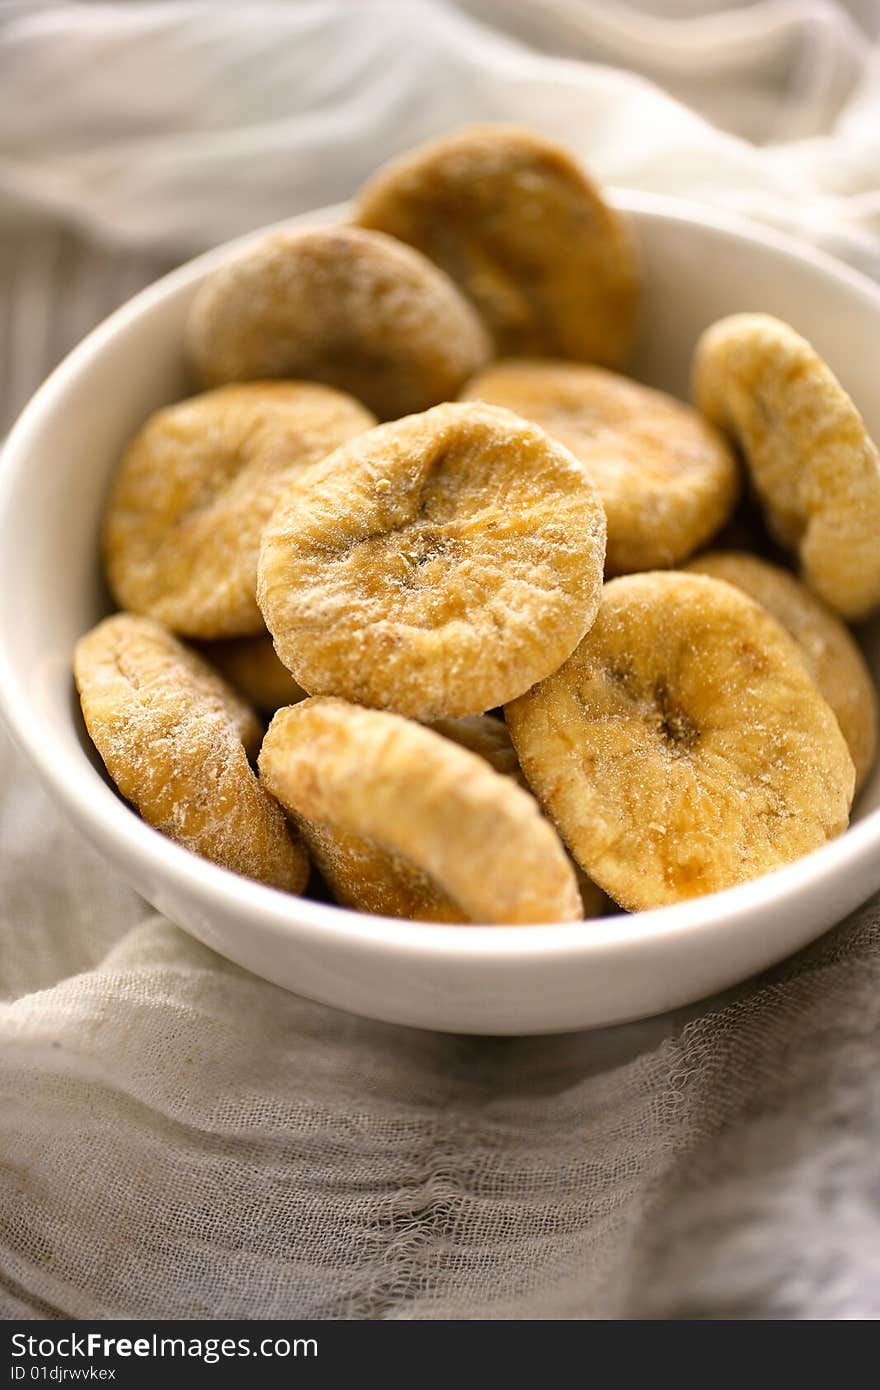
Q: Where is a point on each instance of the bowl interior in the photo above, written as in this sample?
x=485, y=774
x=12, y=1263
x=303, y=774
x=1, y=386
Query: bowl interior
x=59, y=458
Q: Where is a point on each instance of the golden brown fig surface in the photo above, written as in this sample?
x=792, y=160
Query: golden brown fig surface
x=829, y=651
x=813, y=465
x=404, y=822
x=667, y=480
x=683, y=748
x=489, y=738
x=175, y=737
x=485, y=736
x=250, y=664
x=351, y=308
x=515, y=221
x=196, y=487
x=436, y=566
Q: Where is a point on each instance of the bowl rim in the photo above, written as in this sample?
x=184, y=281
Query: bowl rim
x=113, y=825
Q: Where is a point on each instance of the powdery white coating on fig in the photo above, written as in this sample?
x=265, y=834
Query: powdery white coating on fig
x=196, y=487
x=175, y=738
x=439, y=565
x=250, y=664
x=490, y=739
x=352, y=308
x=407, y=823
x=515, y=221
x=683, y=748
x=814, y=467
x=667, y=479
x=829, y=651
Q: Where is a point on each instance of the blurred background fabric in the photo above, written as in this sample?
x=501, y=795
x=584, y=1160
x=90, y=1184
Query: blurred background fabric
x=179, y=1139
x=143, y=133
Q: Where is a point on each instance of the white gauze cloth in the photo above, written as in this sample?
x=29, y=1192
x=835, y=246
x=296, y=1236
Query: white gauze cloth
x=180, y=1139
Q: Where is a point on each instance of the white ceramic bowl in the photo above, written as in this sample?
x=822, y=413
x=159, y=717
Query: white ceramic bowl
x=55, y=468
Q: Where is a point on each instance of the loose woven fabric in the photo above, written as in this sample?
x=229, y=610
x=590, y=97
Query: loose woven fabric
x=180, y=1139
